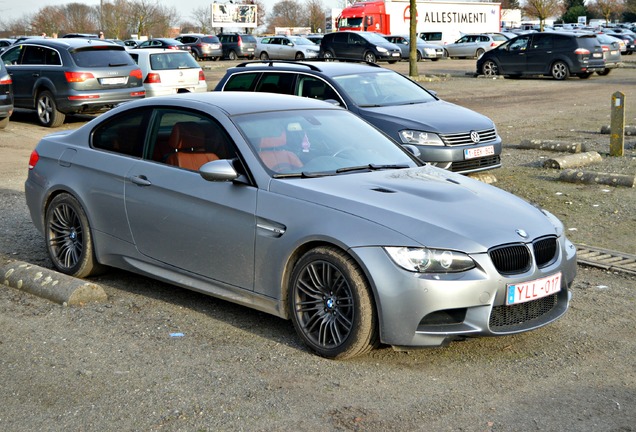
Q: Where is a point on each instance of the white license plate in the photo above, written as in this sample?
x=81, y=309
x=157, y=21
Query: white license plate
x=532, y=290
x=473, y=153
x=250, y=49
x=614, y=52
x=396, y=54
x=597, y=55
x=113, y=81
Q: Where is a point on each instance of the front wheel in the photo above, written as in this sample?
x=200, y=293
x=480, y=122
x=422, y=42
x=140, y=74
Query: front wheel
x=418, y=56
x=331, y=304
x=329, y=55
x=4, y=122
x=560, y=70
x=369, y=57
x=68, y=237
x=46, y=107
x=300, y=56
x=490, y=69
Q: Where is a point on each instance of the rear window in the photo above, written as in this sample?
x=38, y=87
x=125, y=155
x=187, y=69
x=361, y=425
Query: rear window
x=248, y=38
x=101, y=56
x=210, y=39
x=178, y=60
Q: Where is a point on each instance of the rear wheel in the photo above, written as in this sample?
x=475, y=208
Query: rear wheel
x=490, y=69
x=369, y=57
x=68, y=237
x=264, y=56
x=604, y=72
x=4, y=122
x=479, y=52
x=331, y=304
x=232, y=55
x=46, y=107
x=560, y=70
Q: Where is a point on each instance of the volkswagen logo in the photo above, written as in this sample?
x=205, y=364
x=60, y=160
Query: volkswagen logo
x=474, y=135
x=522, y=233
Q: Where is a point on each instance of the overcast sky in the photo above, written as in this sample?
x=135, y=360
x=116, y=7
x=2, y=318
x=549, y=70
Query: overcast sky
x=12, y=9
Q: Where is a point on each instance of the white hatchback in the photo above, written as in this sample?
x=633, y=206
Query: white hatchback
x=167, y=72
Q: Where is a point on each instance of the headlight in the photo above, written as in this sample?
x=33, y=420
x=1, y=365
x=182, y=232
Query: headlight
x=382, y=50
x=420, y=138
x=429, y=51
x=424, y=260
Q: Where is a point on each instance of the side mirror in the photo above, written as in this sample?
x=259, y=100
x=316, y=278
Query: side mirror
x=220, y=170
x=412, y=149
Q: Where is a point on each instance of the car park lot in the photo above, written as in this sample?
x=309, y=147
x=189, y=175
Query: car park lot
x=124, y=364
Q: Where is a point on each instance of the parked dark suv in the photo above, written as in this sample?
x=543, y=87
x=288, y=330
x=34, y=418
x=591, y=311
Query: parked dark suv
x=6, y=97
x=554, y=54
x=237, y=45
x=57, y=77
x=367, y=46
x=204, y=47
x=446, y=135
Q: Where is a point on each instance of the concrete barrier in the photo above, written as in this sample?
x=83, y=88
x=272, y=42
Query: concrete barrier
x=49, y=284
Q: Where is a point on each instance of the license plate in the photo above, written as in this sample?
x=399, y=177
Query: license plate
x=113, y=81
x=614, y=52
x=532, y=290
x=395, y=54
x=597, y=55
x=473, y=153
x=250, y=49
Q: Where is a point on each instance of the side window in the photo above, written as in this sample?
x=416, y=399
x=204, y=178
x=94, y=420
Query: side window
x=34, y=55
x=542, y=42
x=520, y=44
x=315, y=88
x=123, y=134
x=276, y=83
x=242, y=82
x=188, y=139
x=12, y=55
x=52, y=57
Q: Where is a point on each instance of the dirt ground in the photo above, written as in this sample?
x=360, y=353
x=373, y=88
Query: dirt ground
x=118, y=365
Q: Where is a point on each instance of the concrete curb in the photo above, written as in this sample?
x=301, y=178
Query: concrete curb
x=49, y=284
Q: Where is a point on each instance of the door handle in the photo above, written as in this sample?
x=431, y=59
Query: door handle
x=141, y=180
x=35, y=75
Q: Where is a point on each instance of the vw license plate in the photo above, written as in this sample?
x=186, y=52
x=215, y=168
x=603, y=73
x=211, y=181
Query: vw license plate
x=533, y=290
x=473, y=153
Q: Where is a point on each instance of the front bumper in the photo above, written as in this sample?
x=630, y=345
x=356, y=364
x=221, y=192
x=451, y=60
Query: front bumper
x=418, y=310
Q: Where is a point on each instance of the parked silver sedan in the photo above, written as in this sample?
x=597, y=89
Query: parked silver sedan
x=474, y=45
x=286, y=48
x=301, y=209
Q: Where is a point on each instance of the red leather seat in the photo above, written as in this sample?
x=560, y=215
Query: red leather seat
x=187, y=141
x=275, y=157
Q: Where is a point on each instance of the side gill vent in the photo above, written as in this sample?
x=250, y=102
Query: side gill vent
x=383, y=190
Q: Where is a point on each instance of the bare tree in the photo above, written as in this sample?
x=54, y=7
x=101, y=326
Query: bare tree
x=50, y=20
x=315, y=15
x=202, y=18
x=542, y=9
x=287, y=13
x=151, y=19
x=608, y=9
x=81, y=18
x=116, y=19
x=21, y=26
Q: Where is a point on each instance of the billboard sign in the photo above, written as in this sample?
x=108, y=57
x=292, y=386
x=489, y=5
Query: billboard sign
x=234, y=15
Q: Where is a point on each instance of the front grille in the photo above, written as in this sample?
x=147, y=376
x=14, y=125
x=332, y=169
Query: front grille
x=520, y=316
x=464, y=138
x=545, y=251
x=511, y=259
x=475, y=164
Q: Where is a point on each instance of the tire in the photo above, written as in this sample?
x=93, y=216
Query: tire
x=490, y=69
x=446, y=54
x=418, y=56
x=68, y=238
x=604, y=72
x=232, y=55
x=300, y=56
x=331, y=304
x=329, y=55
x=584, y=75
x=559, y=70
x=369, y=57
x=4, y=122
x=480, y=52
x=264, y=56
x=197, y=56
x=46, y=108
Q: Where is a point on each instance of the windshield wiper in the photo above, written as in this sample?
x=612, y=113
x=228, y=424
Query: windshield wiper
x=117, y=64
x=304, y=174
x=371, y=167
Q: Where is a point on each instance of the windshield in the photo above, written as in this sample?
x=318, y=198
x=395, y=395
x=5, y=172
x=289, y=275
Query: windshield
x=308, y=143
x=350, y=22
x=375, y=38
x=382, y=89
